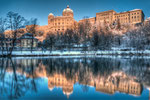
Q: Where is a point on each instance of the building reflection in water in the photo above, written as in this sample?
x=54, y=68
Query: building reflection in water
x=64, y=73
x=59, y=80
x=109, y=85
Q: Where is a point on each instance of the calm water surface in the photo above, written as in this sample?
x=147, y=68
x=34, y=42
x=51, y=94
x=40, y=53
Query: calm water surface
x=76, y=78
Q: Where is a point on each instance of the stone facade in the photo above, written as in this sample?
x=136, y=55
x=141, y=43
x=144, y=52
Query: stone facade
x=61, y=23
x=91, y=20
x=67, y=21
x=132, y=17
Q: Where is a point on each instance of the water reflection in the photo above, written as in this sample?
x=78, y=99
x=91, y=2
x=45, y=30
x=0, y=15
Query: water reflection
x=18, y=76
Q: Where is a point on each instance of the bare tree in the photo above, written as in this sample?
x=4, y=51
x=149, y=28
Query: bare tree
x=84, y=30
x=138, y=39
x=76, y=35
x=14, y=23
x=68, y=38
x=95, y=40
x=118, y=27
x=105, y=40
x=76, y=38
x=2, y=35
x=31, y=28
x=50, y=41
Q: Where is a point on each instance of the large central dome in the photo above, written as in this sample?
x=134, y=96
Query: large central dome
x=68, y=12
x=68, y=9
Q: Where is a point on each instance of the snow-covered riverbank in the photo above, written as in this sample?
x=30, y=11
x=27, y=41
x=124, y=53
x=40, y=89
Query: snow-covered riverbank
x=78, y=53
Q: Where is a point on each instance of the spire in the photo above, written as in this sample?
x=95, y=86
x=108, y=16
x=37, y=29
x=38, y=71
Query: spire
x=67, y=6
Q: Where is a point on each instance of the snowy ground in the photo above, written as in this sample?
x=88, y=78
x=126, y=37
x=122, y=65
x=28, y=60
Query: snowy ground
x=74, y=53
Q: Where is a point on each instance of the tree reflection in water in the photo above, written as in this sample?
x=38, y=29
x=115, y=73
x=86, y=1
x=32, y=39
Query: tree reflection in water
x=18, y=75
x=15, y=80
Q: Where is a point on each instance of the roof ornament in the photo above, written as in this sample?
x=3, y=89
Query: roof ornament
x=68, y=9
x=67, y=6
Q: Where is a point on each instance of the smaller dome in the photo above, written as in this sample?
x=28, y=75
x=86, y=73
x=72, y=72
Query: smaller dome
x=68, y=9
x=51, y=14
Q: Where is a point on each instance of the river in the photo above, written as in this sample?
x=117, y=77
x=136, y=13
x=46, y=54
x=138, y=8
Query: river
x=74, y=78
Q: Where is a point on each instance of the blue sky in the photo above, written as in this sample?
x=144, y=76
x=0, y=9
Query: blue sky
x=41, y=8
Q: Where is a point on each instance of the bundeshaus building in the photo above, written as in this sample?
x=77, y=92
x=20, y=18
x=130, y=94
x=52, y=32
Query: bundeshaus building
x=61, y=23
x=67, y=21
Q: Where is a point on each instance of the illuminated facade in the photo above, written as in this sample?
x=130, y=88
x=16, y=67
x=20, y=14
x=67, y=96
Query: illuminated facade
x=132, y=17
x=55, y=23
x=67, y=21
x=60, y=23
